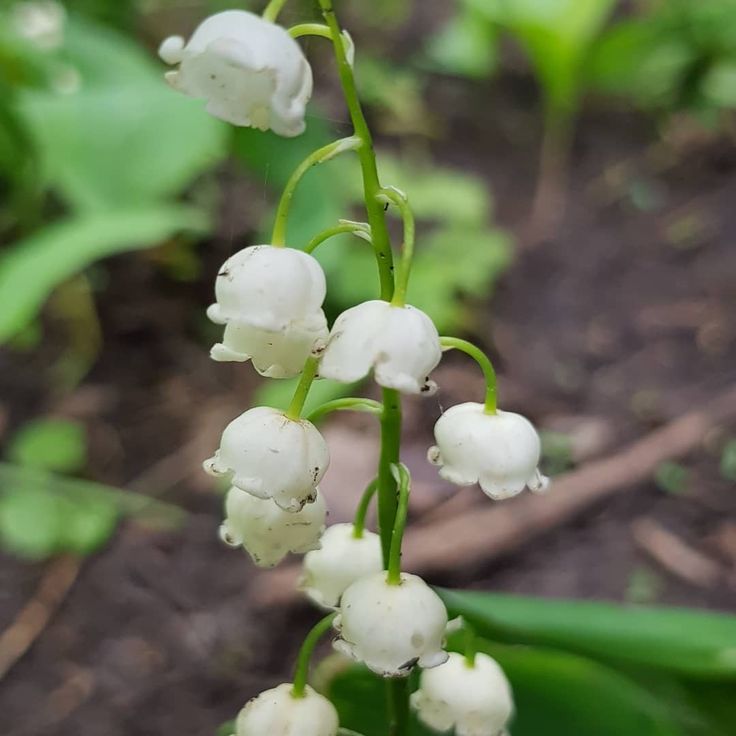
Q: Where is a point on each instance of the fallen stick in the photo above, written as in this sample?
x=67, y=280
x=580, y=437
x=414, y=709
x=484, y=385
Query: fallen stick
x=56, y=582
x=485, y=533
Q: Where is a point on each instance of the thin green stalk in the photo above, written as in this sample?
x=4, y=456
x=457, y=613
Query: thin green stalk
x=397, y=695
x=390, y=443
x=273, y=9
x=310, y=29
x=403, y=479
x=309, y=371
x=351, y=143
x=394, y=196
x=366, y=156
x=450, y=343
x=362, y=510
x=470, y=649
x=359, y=229
x=348, y=403
x=301, y=671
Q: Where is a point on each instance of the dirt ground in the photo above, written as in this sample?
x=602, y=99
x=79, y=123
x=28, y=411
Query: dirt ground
x=620, y=322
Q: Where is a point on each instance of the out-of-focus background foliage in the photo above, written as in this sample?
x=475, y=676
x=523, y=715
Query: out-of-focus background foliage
x=572, y=168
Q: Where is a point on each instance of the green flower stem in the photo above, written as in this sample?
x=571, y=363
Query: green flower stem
x=305, y=653
x=397, y=694
x=366, y=156
x=403, y=479
x=390, y=443
x=359, y=229
x=470, y=649
x=310, y=29
x=351, y=403
x=362, y=510
x=294, y=412
x=455, y=343
x=352, y=143
x=273, y=9
x=394, y=196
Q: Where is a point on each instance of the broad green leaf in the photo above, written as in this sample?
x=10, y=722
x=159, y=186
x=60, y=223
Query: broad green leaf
x=40, y=262
x=279, y=393
x=555, y=693
x=122, y=137
x=87, y=523
x=693, y=643
x=50, y=444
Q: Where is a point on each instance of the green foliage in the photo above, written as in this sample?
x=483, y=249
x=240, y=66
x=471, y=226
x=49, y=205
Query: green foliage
x=40, y=262
x=678, y=55
x=728, y=460
x=50, y=444
x=556, y=451
x=671, y=478
x=654, y=638
x=43, y=514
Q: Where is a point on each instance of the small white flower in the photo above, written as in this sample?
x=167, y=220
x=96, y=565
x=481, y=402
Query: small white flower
x=250, y=71
x=475, y=701
x=278, y=712
x=340, y=560
x=40, y=22
x=266, y=531
x=391, y=628
x=500, y=451
x=271, y=456
x=400, y=344
x=270, y=301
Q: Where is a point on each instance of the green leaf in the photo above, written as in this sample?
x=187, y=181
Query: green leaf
x=279, y=393
x=728, y=461
x=50, y=444
x=88, y=523
x=40, y=262
x=30, y=522
x=123, y=138
x=671, y=478
x=692, y=643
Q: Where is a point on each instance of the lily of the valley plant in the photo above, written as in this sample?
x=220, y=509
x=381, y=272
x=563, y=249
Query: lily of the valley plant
x=250, y=71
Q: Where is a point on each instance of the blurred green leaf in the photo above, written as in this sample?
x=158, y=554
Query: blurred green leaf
x=30, y=522
x=728, y=460
x=279, y=393
x=688, y=642
x=40, y=262
x=671, y=478
x=466, y=46
x=87, y=524
x=121, y=138
x=50, y=444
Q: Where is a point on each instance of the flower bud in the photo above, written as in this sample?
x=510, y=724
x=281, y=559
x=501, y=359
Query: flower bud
x=271, y=456
x=266, y=531
x=473, y=700
x=391, y=628
x=270, y=301
x=250, y=71
x=340, y=560
x=400, y=344
x=500, y=451
x=278, y=712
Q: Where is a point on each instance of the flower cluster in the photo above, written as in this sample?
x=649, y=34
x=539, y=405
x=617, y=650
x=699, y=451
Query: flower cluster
x=269, y=300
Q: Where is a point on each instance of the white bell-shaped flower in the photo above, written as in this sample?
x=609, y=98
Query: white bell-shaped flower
x=278, y=712
x=500, y=451
x=250, y=71
x=266, y=531
x=391, y=628
x=270, y=301
x=265, y=453
x=473, y=700
x=400, y=344
x=342, y=558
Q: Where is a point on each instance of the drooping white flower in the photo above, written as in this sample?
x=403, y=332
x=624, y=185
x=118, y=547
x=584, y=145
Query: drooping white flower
x=391, y=628
x=266, y=531
x=400, y=344
x=278, y=712
x=341, y=559
x=474, y=700
x=250, y=71
x=271, y=456
x=270, y=301
x=500, y=451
